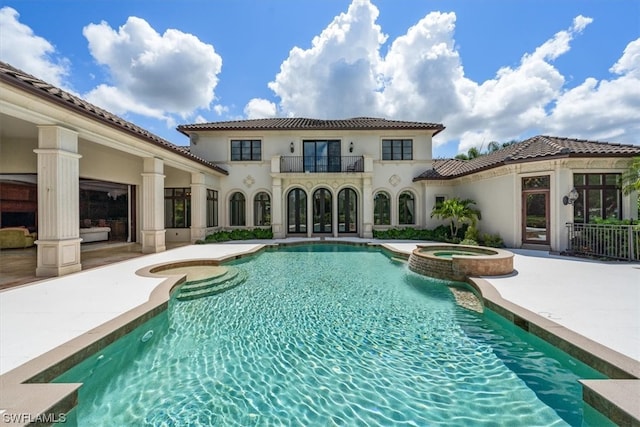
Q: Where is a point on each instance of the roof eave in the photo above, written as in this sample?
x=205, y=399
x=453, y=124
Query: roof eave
x=17, y=83
x=186, y=129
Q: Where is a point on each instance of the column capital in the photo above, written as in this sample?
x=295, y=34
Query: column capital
x=57, y=137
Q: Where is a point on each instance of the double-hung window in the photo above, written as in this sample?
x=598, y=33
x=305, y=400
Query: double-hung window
x=246, y=150
x=397, y=149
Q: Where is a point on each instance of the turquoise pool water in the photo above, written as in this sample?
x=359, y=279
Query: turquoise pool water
x=450, y=254
x=330, y=335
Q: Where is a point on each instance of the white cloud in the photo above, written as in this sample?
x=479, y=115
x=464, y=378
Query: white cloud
x=629, y=63
x=220, y=109
x=337, y=76
x=113, y=99
x=153, y=75
x=606, y=109
x=422, y=78
x=260, y=108
x=20, y=47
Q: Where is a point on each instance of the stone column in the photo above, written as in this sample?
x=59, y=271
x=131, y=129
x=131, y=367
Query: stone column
x=277, y=218
x=153, y=232
x=367, y=209
x=309, y=211
x=198, y=207
x=58, y=202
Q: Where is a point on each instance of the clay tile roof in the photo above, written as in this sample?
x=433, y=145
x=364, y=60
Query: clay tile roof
x=300, y=123
x=31, y=84
x=536, y=148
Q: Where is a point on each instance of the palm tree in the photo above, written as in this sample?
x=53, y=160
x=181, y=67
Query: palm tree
x=631, y=177
x=472, y=153
x=493, y=146
x=458, y=211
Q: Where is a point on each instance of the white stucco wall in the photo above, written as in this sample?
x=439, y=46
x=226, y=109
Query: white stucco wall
x=17, y=156
x=252, y=177
x=496, y=198
x=106, y=164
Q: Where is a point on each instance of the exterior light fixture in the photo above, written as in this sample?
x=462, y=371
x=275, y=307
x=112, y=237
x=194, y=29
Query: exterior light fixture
x=570, y=198
x=351, y=147
x=292, y=147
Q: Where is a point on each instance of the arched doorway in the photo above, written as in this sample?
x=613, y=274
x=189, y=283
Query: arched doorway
x=297, y=211
x=347, y=211
x=322, y=211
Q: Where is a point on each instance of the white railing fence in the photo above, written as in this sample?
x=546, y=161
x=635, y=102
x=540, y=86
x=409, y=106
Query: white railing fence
x=604, y=240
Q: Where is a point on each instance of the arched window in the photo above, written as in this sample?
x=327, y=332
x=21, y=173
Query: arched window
x=381, y=209
x=262, y=209
x=237, y=213
x=406, y=208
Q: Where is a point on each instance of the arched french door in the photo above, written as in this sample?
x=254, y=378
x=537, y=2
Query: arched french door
x=347, y=211
x=322, y=211
x=297, y=211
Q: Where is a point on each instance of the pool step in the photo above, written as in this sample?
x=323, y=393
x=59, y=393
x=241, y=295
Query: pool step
x=211, y=286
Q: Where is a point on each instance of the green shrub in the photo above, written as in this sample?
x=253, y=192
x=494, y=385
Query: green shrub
x=471, y=233
x=441, y=233
x=492, y=240
x=469, y=242
x=617, y=221
x=238, y=234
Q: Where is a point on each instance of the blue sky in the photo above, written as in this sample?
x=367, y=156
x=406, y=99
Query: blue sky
x=488, y=70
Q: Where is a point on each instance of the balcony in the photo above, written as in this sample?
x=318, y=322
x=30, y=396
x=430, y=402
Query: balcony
x=321, y=164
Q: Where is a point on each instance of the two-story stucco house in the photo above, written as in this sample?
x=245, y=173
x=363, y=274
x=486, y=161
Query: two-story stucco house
x=348, y=177
x=305, y=177
x=74, y=173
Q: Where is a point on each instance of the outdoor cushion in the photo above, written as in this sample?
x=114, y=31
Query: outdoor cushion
x=16, y=237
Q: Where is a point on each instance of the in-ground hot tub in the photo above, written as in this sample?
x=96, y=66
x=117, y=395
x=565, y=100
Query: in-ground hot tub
x=457, y=262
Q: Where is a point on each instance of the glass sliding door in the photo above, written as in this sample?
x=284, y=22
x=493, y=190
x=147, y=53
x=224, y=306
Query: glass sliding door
x=112, y=205
x=322, y=211
x=322, y=156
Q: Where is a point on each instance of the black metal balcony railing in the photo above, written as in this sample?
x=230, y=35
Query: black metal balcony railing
x=605, y=240
x=321, y=164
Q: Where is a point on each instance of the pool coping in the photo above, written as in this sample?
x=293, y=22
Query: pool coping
x=26, y=392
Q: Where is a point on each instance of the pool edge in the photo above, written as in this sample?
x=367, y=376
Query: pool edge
x=605, y=395
x=54, y=399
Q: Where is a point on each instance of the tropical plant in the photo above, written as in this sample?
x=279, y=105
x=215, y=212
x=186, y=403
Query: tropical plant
x=475, y=152
x=492, y=240
x=472, y=153
x=458, y=212
x=631, y=177
x=238, y=234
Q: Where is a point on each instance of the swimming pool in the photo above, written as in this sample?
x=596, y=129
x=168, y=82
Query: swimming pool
x=330, y=335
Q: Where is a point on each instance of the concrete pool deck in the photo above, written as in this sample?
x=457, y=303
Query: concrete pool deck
x=597, y=300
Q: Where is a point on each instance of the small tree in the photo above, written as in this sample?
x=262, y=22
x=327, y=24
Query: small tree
x=631, y=179
x=458, y=211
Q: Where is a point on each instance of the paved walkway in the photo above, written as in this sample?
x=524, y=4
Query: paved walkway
x=600, y=301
